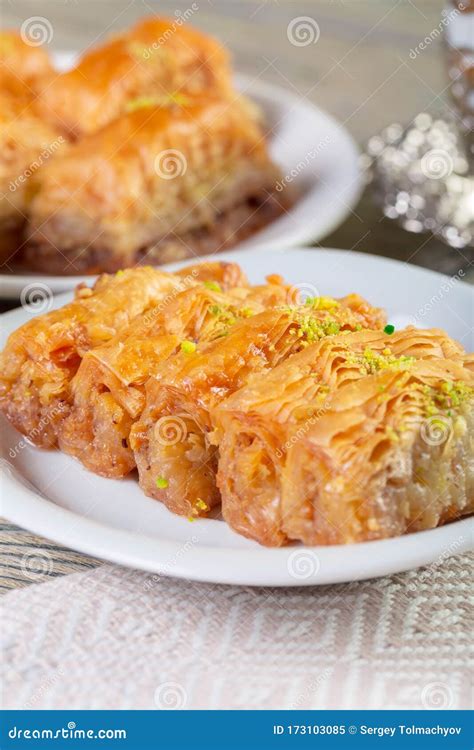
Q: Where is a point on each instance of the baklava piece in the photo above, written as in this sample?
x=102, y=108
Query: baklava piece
x=184, y=393
x=42, y=356
x=26, y=144
x=359, y=437
x=27, y=62
x=157, y=58
x=156, y=185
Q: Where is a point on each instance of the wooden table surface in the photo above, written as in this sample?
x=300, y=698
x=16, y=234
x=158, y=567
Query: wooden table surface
x=360, y=70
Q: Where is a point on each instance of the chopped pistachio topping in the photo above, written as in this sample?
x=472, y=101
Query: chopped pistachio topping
x=454, y=392
x=6, y=44
x=213, y=286
x=161, y=483
x=155, y=53
x=391, y=434
x=312, y=329
x=167, y=100
x=180, y=99
x=247, y=312
x=332, y=328
x=371, y=362
x=199, y=505
x=137, y=50
x=141, y=102
x=446, y=396
x=188, y=347
x=322, y=303
x=228, y=316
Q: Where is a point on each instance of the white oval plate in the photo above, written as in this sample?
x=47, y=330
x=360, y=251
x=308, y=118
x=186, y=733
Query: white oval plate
x=53, y=495
x=329, y=184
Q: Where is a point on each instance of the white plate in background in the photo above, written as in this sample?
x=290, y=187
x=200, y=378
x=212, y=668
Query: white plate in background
x=53, y=495
x=329, y=182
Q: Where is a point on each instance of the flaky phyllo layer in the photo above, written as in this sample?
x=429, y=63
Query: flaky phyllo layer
x=150, y=61
x=142, y=153
x=108, y=392
x=157, y=184
x=182, y=394
x=359, y=437
x=42, y=356
x=26, y=139
x=309, y=422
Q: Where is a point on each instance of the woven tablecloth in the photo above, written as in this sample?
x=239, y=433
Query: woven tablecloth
x=112, y=638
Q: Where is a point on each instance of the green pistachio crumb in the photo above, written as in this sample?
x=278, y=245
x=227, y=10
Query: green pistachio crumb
x=188, y=347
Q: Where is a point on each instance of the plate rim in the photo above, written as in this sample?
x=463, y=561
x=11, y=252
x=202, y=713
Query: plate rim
x=259, y=566
x=205, y=564
x=274, y=247
x=12, y=283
